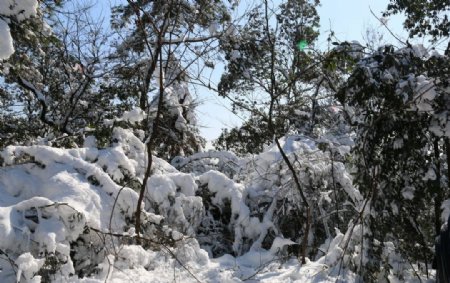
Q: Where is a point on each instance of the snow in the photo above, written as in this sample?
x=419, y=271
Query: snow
x=425, y=93
x=52, y=199
x=21, y=10
x=133, y=116
x=67, y=214
x=6, y=43
x=28, y=266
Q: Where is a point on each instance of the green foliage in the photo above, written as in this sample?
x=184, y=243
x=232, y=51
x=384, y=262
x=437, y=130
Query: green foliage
x=49, y=94
x=267, y=72
x=394, y=150
x=164, y=38
x=423, y=17
x=175, y=140
x=250, y=138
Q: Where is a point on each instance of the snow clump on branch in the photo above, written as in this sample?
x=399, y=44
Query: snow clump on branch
x=19, y=10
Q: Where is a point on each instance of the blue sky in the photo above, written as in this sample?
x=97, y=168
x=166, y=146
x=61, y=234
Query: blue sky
x=349, y=19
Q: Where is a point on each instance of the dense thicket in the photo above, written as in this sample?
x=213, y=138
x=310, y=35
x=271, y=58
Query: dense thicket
x=343, y=157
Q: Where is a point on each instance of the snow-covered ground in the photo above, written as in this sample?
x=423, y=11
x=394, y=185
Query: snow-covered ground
x=67, y=216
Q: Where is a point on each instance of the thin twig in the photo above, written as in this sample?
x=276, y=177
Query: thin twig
x=151, y=241
x=385, y=25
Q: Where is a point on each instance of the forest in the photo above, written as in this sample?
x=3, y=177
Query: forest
x=339, y=171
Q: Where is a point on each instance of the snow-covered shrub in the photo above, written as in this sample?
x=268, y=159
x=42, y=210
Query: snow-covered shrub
x=67, y=214
x=39, y=227
x=227, y=226
x=52, y=196
x=61, y=204
x=74, y=210
x=273, y=197
x=172, y=195
x=223, y=161
x=260, y=203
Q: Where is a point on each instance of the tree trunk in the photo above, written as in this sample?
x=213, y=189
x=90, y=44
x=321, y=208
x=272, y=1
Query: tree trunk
x=438, y=199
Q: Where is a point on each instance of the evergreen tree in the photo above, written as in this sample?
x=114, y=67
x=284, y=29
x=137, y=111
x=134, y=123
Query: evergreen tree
x=155, y=32
x=179, y=134
x=49, y=93
x=250, y=137
x=397, y=102
x=394, y=103
x=423, y=17
x=272, y=59
x=160, y=43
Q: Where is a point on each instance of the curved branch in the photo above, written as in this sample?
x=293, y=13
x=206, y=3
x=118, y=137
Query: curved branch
x=44, y=108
